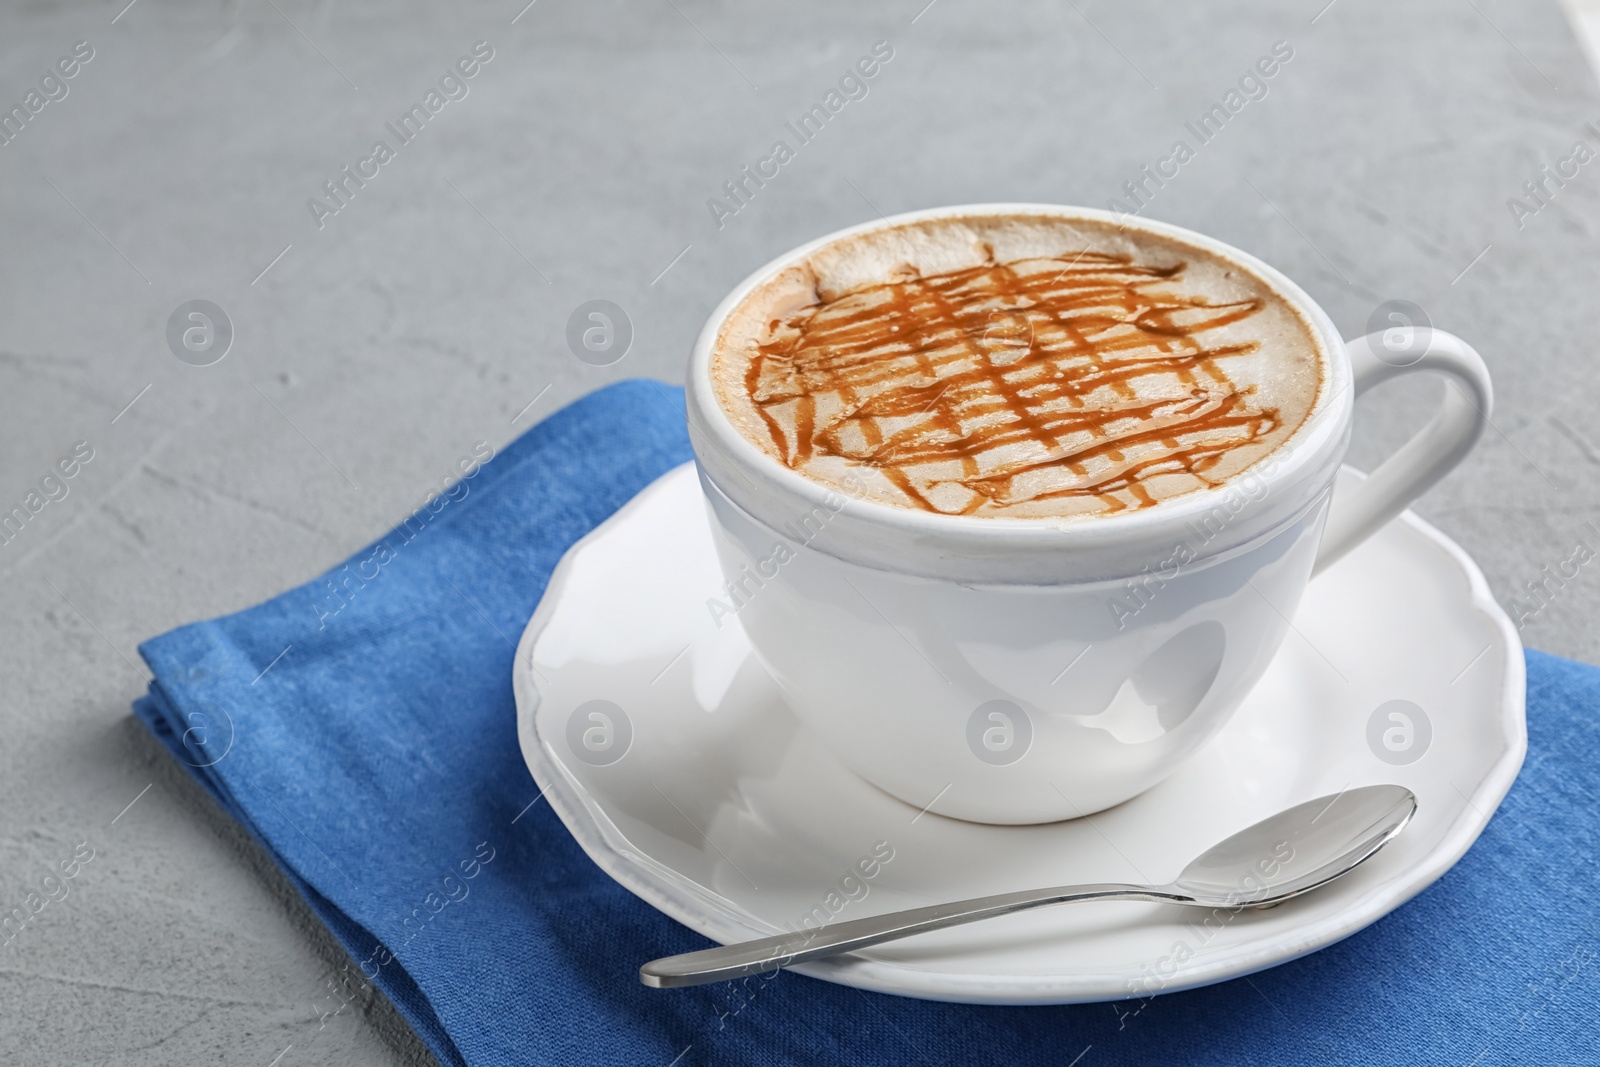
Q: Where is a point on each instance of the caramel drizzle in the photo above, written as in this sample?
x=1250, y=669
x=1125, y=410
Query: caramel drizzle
x=1037, y=358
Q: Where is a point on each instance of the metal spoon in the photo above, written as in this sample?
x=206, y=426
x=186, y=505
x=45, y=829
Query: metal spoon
x=1293, y=852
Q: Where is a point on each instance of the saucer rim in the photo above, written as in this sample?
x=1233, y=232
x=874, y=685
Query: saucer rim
x=680, y=898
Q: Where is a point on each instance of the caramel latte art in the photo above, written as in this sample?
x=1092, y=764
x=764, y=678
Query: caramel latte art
x=1017, y=366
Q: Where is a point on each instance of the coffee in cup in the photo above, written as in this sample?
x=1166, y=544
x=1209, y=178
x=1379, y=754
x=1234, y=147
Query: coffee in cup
x=1017, y=367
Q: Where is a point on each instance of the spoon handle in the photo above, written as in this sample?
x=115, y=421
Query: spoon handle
x=783, y=950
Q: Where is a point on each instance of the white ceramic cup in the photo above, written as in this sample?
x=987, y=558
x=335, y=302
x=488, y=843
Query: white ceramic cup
x=1023, y=671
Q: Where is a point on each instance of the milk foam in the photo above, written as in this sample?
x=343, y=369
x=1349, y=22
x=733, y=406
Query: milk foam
x=1017, y=366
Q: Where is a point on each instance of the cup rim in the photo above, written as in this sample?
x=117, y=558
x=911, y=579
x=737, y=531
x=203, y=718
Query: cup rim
x=1302, y=454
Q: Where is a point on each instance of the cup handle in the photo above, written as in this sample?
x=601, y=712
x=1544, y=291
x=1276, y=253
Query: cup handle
x=1359, y=510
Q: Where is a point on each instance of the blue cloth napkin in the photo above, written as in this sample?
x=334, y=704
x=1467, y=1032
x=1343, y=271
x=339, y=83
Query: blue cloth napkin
x=363, y=728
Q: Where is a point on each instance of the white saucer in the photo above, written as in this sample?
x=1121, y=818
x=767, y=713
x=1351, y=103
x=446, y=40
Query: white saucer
x=717, y=808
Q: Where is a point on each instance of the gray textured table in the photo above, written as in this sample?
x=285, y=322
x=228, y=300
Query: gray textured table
x=374, y=345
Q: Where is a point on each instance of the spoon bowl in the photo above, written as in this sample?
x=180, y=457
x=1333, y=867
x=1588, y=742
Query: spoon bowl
x=1298, y=849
